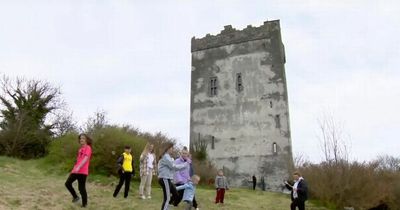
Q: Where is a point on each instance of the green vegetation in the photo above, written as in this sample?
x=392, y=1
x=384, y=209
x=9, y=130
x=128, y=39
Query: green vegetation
x=108, y=144
x=359, y=185
x=25, y=106
x=29, y=184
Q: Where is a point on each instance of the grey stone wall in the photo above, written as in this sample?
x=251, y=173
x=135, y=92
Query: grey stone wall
x=246, y=129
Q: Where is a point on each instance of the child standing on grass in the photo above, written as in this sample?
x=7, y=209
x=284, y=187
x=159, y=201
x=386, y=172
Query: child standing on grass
x=221, y=184
x=126, y=171
x=189, y=191
x=166, y=169
x=80, y=170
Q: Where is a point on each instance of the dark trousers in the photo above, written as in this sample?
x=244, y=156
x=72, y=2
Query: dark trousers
x=123, y=177
x=254, y=185
x=168, y=189
x=81, y=186
x=298, y=203
x=220, y=195
x=180, y=197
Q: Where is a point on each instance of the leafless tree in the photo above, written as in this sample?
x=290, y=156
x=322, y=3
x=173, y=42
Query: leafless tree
x=333, y=139
x=95, y=122
x=300, y=160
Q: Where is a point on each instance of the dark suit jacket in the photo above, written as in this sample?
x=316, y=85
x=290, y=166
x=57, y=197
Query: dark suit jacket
x=302, y=190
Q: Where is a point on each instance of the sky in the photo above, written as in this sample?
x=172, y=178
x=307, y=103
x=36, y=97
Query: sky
x=132, y=59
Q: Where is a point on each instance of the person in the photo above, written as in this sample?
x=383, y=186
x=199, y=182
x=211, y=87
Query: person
x=262, y=183
x=183, y=176
x=166, y=169
x=299, y=191
x=126, y=170
x=81, y=169
x=221, y=184
x=254, y=181
x=189, y=191
x=147, y=170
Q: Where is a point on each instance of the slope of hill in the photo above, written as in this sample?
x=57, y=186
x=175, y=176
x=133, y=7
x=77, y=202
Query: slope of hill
x=32, y=185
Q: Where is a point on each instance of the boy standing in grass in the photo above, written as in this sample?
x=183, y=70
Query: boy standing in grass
x=126, y=170
x=221, y=184
x=189, y=191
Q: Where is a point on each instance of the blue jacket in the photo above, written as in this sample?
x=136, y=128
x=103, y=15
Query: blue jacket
x=167, y=167
x=189, y=192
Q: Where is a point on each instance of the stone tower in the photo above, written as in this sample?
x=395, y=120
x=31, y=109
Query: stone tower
x=239, y=103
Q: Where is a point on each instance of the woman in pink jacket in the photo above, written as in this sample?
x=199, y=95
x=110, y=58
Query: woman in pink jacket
x=80, y=170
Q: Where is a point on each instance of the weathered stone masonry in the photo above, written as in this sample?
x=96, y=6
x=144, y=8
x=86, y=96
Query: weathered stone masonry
x=239, y=103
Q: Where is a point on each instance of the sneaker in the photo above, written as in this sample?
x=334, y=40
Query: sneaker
x=142, y=197
x=197, y=209
x=149, y=197
x=74, y=200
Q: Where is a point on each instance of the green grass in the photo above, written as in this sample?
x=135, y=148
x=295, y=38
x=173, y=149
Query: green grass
x=33, y=185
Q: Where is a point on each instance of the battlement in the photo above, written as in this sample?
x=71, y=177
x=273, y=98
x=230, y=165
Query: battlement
x=232, y=36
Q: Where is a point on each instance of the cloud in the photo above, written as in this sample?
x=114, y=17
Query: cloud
x=132, y=58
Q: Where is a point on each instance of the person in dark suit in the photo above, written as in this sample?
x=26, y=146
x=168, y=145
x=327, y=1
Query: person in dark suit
x=299, y=191
x=254, y=182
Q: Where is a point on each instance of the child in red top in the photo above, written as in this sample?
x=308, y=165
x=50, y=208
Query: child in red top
x=81, y=169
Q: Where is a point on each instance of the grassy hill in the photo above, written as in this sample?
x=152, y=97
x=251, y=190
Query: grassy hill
x=33, y=185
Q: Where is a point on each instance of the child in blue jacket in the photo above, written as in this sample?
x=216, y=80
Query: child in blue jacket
x=190, y=190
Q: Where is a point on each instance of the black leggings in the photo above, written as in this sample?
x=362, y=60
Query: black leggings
x=168, y=188
x=81, y=186
x=123, y=177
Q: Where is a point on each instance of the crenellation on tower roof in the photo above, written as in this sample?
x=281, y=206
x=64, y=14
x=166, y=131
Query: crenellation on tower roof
x=230, y=35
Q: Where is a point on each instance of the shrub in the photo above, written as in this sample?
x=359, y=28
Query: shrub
x=205, y=170
x=108, y=144
x=360, y=185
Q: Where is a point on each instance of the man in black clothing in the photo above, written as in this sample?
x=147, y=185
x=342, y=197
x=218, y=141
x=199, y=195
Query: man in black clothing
x=254, y=182
x=299, y=192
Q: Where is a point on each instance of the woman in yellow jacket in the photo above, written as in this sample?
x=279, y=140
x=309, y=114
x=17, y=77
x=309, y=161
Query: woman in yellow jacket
x=126, y=171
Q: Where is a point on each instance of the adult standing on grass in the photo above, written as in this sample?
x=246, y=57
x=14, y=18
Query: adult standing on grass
x=81, y=169
x=166, y=169
x=126, y=171
x=254, y=179
x=299, y=191
x=147, y=170
x=182, y=177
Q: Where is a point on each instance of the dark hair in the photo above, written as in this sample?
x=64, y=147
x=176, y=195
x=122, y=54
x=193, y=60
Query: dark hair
x=127, y=147
x=88, y=139
x=167, y=147
x=297, y=173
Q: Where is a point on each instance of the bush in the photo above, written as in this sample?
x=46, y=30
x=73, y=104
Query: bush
x=360, y=185
x=108, y=144
x=205, y=170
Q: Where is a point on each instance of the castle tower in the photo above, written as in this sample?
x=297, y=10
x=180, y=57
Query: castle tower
x=239, y=103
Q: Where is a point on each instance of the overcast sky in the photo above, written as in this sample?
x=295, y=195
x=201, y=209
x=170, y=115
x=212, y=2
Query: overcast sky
x=132, y=59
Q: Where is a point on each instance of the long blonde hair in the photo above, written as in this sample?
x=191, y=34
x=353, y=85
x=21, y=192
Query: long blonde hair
x=147, y=148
